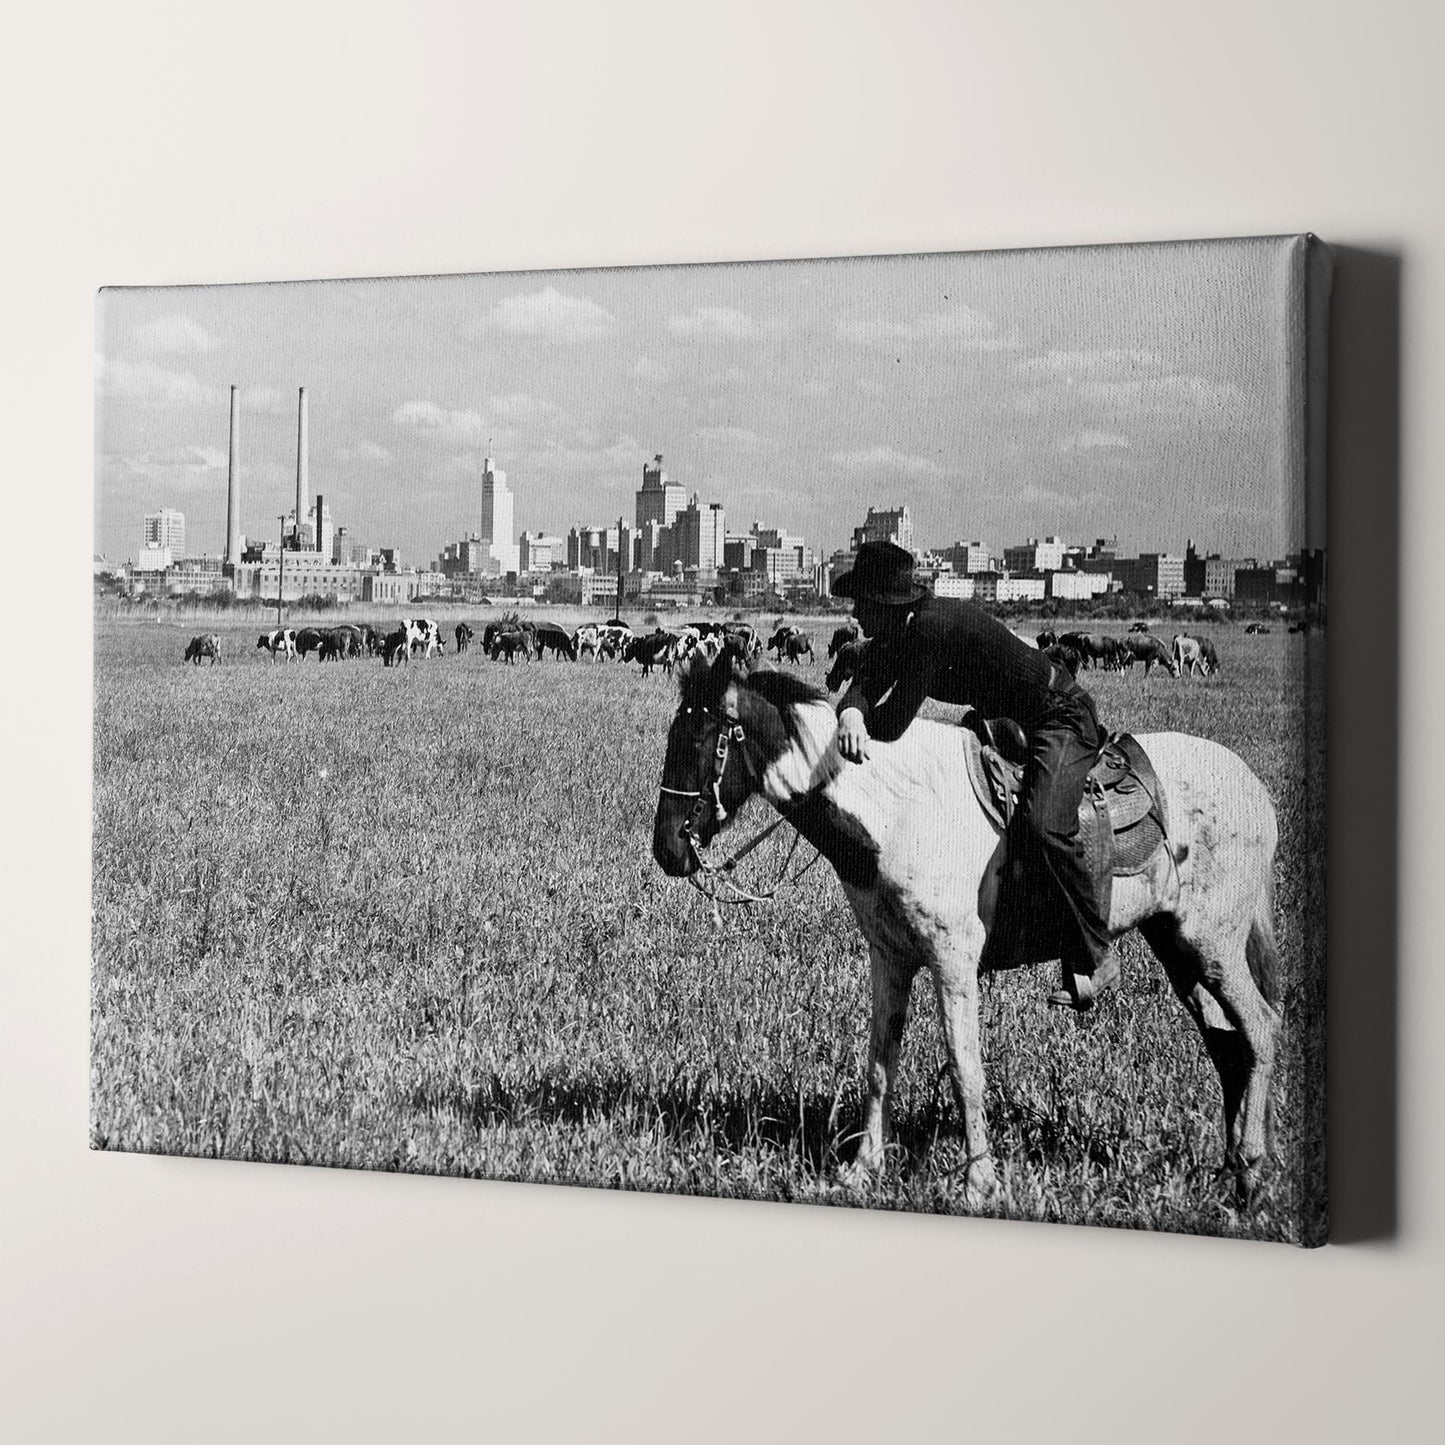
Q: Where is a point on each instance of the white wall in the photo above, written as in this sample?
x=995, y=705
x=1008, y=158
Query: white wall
x=155, y=1300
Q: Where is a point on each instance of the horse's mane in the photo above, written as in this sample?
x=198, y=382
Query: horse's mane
x=783, y=689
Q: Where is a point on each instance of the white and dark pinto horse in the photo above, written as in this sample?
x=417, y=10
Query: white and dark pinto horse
x=1204, y=904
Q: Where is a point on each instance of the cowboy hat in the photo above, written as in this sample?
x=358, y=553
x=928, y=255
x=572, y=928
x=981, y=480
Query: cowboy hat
x=883, y=573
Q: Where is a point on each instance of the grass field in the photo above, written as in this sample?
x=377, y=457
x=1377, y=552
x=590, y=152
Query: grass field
x=408, y=919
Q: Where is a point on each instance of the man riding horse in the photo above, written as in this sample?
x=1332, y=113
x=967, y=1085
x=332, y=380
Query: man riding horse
x=924, y=646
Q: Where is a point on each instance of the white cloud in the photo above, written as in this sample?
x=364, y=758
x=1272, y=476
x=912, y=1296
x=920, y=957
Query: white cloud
x=739, y=436
x=959, y=329
x=173, y=335
x=1167, y=398
x=1109, y=362
x=365, y=451
x=518, y=406
x=551, y=316
x=1044, y=497
x=427, y=419
x=887, y=459
x=1090, y=441
x=151, y=384
x=623, y=456
x=646, y=369
x=713, y=323
x=190, y=467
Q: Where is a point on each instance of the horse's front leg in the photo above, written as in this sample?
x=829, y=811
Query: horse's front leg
x=955, y=980
x=892, y=981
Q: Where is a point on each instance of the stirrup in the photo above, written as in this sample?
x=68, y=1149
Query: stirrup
x=1078, y=994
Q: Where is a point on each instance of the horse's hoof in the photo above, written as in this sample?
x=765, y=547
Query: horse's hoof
x=857, y=1176
x=980, y=1183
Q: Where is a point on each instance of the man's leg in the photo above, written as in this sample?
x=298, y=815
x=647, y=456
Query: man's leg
x=1063, y=751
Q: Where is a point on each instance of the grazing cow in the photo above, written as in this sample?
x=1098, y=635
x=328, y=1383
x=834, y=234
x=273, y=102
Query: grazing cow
x=685, y=639
x=282, y=639
x=548, y=636
x=850, y=631
x=846, y=663
x=778, y=642
x=395, y=650
x=208, y=644
x=1208, y=656
x=423, y=633
x=308, y=640
x=612, y=639
x=508, y=642
x=1066, y=657
x=798, y=646
x=1149, y=651
x=743, y=639
x=338, y=642
x=1299, y=627
x=1255, y=628
x=584, y=640
x=373, y=640
x=1138, y=627
x=660, y=647
x=1187, y=656
x=464, y=637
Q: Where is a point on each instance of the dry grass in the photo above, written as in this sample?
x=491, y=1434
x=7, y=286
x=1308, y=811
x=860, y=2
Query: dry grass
x=408, y=919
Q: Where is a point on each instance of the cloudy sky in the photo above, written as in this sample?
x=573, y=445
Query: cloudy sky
x=1131, y=391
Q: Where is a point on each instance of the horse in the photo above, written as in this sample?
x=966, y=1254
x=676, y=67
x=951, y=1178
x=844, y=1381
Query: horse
x=1204, y=902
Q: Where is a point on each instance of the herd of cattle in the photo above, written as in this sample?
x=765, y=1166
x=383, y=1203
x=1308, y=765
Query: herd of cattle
x=512, y=637
x=1073, y=651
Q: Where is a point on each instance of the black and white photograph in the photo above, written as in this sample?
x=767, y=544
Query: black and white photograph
x=842, y=732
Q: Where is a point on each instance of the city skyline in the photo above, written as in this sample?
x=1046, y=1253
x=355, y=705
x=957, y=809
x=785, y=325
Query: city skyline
x=1000, y=395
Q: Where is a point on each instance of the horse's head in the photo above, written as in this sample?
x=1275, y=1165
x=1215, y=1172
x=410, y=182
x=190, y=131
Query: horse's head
x=709, y=770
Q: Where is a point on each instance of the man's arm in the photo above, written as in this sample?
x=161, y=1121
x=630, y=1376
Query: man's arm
x=916, y=670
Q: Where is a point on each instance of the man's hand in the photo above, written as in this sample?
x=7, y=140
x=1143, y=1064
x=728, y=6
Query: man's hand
x=852, y=735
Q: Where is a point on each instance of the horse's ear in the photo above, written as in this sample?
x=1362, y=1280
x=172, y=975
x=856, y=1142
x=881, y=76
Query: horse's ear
x=720, y=675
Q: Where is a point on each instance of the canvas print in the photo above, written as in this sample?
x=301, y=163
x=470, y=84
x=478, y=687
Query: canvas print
x=841, y=732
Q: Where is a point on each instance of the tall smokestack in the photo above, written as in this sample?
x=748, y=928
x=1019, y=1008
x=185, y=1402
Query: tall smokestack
x=233, y=497
x=302, y=448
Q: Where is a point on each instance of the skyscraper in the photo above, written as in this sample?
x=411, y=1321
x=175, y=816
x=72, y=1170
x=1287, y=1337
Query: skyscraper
x=496, y=528
x=701, y=534
x=166, y=528
x=659, y=500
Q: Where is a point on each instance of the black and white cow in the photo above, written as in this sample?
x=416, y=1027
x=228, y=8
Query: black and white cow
x=282, y=640
x=395, y=649
x=424, y=634
x=612, y=639
x=464, y=637
x=585, y=640
x=659, y=648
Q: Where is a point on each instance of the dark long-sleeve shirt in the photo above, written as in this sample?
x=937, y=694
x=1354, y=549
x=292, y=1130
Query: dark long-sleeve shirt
x=955, y=652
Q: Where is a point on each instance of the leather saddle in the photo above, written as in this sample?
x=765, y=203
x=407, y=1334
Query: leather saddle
x=1122, y=823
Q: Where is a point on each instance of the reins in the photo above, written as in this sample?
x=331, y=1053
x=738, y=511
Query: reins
x=719, y=874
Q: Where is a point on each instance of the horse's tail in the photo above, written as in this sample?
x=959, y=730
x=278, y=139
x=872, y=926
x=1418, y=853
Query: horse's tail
x=1260, y=948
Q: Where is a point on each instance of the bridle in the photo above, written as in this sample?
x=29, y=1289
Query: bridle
x=719, y=873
